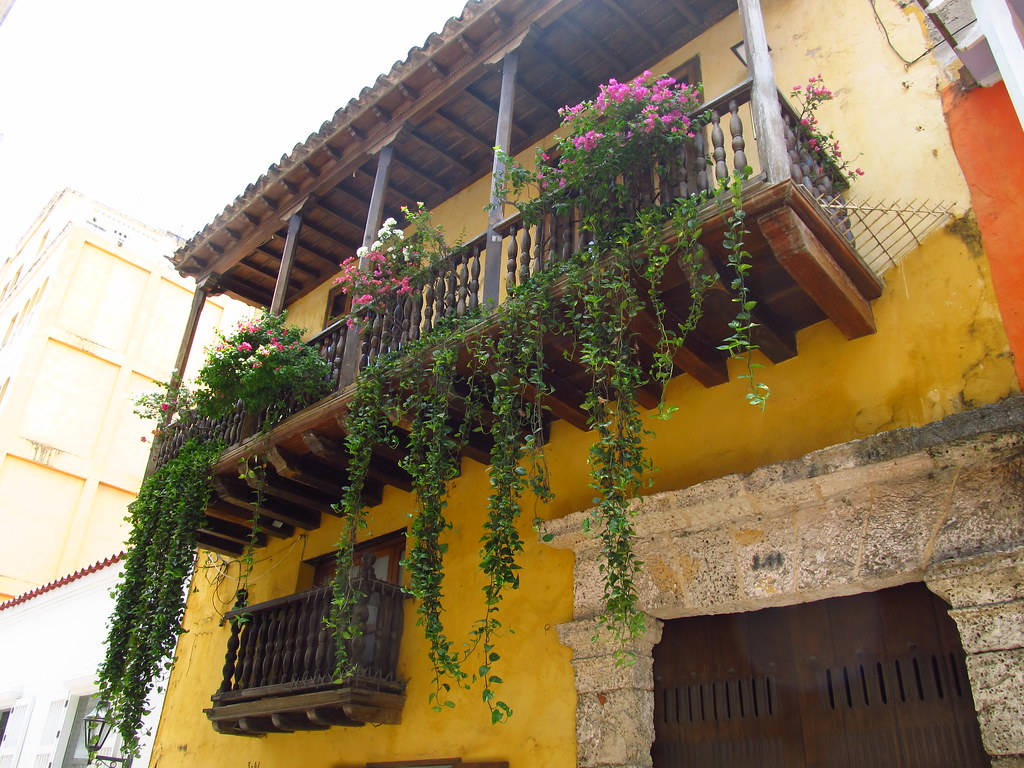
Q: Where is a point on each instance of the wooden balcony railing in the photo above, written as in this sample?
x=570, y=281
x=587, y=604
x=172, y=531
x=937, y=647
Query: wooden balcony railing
x=279, y=669
x=454, y=288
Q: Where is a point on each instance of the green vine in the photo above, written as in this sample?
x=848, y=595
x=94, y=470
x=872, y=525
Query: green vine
x=150, y=596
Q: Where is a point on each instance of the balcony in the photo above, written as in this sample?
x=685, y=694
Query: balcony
x=279, y=669
x=805, y=269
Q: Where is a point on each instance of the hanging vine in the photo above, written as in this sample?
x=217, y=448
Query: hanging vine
x=150, y=595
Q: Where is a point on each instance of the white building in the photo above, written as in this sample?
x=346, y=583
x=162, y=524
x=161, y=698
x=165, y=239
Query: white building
x=51, y=644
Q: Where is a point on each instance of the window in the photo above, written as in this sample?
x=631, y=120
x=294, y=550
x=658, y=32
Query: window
x=76, y=755
x=337, y=305
x=388, y=550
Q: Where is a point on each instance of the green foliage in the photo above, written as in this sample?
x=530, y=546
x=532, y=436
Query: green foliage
x=265, y=364
x=150, y=596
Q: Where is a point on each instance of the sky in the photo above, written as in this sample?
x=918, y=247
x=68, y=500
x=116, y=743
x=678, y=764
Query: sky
x=166, y=111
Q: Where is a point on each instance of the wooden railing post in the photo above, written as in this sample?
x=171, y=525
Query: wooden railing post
x=374, y=216
x=764, y=99
x=502, y=140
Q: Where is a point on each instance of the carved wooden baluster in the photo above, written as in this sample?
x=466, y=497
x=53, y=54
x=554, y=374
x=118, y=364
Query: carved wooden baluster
x=314, y=616
x=243, y=667
x=339, y=354
x=512, y=264
x=739, y=157
x=565, y=247
x=428, y=305
x=398, y=325
x=393, y=636
x=325, y=648
x=263, y=677
x=524, y=262
x=411, y=317
x=272, y=662
x=700, y=162
x=796, y=173
x=452, y=289
x=462, y=299
x=361, y=613
x=377, y=335
x=228, y=671
x=718, y=147
x=537, y=263
x=300, y=623
x=287, y=643
x=474, y=277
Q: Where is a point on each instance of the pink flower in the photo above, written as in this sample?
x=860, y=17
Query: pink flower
x=245, y=346
x=164, y=406
x=142, y=439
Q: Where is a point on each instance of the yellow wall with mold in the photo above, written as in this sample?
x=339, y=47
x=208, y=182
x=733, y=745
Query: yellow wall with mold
x=939, y=348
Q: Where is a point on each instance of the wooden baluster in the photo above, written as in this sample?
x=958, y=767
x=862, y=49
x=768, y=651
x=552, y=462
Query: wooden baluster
x=796, y=173
x=739, y=157
x=550, y=237
x=565, y=246
x=339, y=354
x=376, y=334
x=386, y=325
x=474, y=277
x=313, y=618
x=393, y=635
x=325, y=648
x=228, y=670
x=524, y=262
x=243, y=667
x=428, y=305
x=450, y=293
x=512, y=264
x=807, y=166
x=360, y=614
x=461, y=300
x=272, y=663
x=397, y=320
x=537, y=263
x=267, y=643
x=718, y=147
x=411, y=324
x=288, y=643
x=700, y=163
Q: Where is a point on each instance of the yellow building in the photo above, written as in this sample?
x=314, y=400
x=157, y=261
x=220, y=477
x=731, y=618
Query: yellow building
x=82, y=299
x=821, y=583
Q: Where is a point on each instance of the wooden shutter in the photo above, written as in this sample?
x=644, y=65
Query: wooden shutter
x=54, y=735
x=14, y=733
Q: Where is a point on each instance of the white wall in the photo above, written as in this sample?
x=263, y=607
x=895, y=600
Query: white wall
x=50, y=648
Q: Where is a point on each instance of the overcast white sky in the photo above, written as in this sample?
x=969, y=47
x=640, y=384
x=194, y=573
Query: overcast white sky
x=167, y=110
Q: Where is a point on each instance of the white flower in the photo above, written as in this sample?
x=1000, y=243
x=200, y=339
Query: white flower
x=375, y=245
x=389, y=222
x=361, y=251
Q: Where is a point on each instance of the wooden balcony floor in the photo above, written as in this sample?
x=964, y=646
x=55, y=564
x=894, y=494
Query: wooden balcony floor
x=804, y=270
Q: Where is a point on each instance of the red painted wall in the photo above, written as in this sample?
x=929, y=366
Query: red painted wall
x=989, y=145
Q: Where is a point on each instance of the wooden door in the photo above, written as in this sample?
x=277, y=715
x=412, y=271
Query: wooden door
x=866, y=681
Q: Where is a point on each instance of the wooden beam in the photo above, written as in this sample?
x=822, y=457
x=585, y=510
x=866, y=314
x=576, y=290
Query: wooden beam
x=502, y=139
x=765, y=109
x=289, y=465
x=231, y=492
x=467, y=170
x=241, y=534
x=291, y=492
x=224, y=511
x=219, y=545
x=335, y=454
x=285, y=271
x=339, y=214
x=807, y=261
x=638, y=29
x=463, y=130
x=495, y=109
x=420, y=175
x=262, y=251
x=684, y=10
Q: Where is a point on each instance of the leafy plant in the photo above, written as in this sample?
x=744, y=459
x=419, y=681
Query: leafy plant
x=150, y=595
x=823, y=146
x=265, y=364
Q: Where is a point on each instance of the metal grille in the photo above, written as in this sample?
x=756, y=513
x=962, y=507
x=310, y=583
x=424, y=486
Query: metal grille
x=884, y=232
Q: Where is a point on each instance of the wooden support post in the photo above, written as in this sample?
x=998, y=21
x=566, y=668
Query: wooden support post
x=502, y=139
x=764, y=96
x=374, y=215
x=284, y=272
x=198, y=301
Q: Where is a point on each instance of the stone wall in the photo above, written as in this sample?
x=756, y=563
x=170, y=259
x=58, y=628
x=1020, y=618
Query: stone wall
x=943, y=504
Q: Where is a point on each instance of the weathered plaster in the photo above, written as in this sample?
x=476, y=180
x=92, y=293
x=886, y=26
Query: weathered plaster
x=943, y=504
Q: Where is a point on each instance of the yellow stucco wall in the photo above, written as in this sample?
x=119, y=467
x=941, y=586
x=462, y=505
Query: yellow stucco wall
x=95, y=317
x=939, y=348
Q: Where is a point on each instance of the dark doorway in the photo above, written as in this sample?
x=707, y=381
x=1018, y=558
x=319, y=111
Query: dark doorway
x=875, y=680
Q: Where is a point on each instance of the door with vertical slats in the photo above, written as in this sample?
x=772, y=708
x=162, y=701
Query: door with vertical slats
x=865, y=681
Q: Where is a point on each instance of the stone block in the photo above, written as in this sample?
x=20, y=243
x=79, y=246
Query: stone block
x=900, y=524
x=980, y=580
x=610, y=673
x=987, y=513
x=766, y=554
x=829, y=537
x=991, y=627
x=615, y=728
x=997, y=681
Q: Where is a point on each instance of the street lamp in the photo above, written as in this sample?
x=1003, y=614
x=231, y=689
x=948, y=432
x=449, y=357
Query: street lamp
x=97, y=728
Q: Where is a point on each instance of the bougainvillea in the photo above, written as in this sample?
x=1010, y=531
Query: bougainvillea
x=824, y=146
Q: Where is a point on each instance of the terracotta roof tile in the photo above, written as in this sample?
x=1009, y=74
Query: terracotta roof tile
x=97, y=566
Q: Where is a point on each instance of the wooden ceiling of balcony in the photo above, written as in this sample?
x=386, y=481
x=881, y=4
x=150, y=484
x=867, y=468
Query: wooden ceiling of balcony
x=438, y=109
